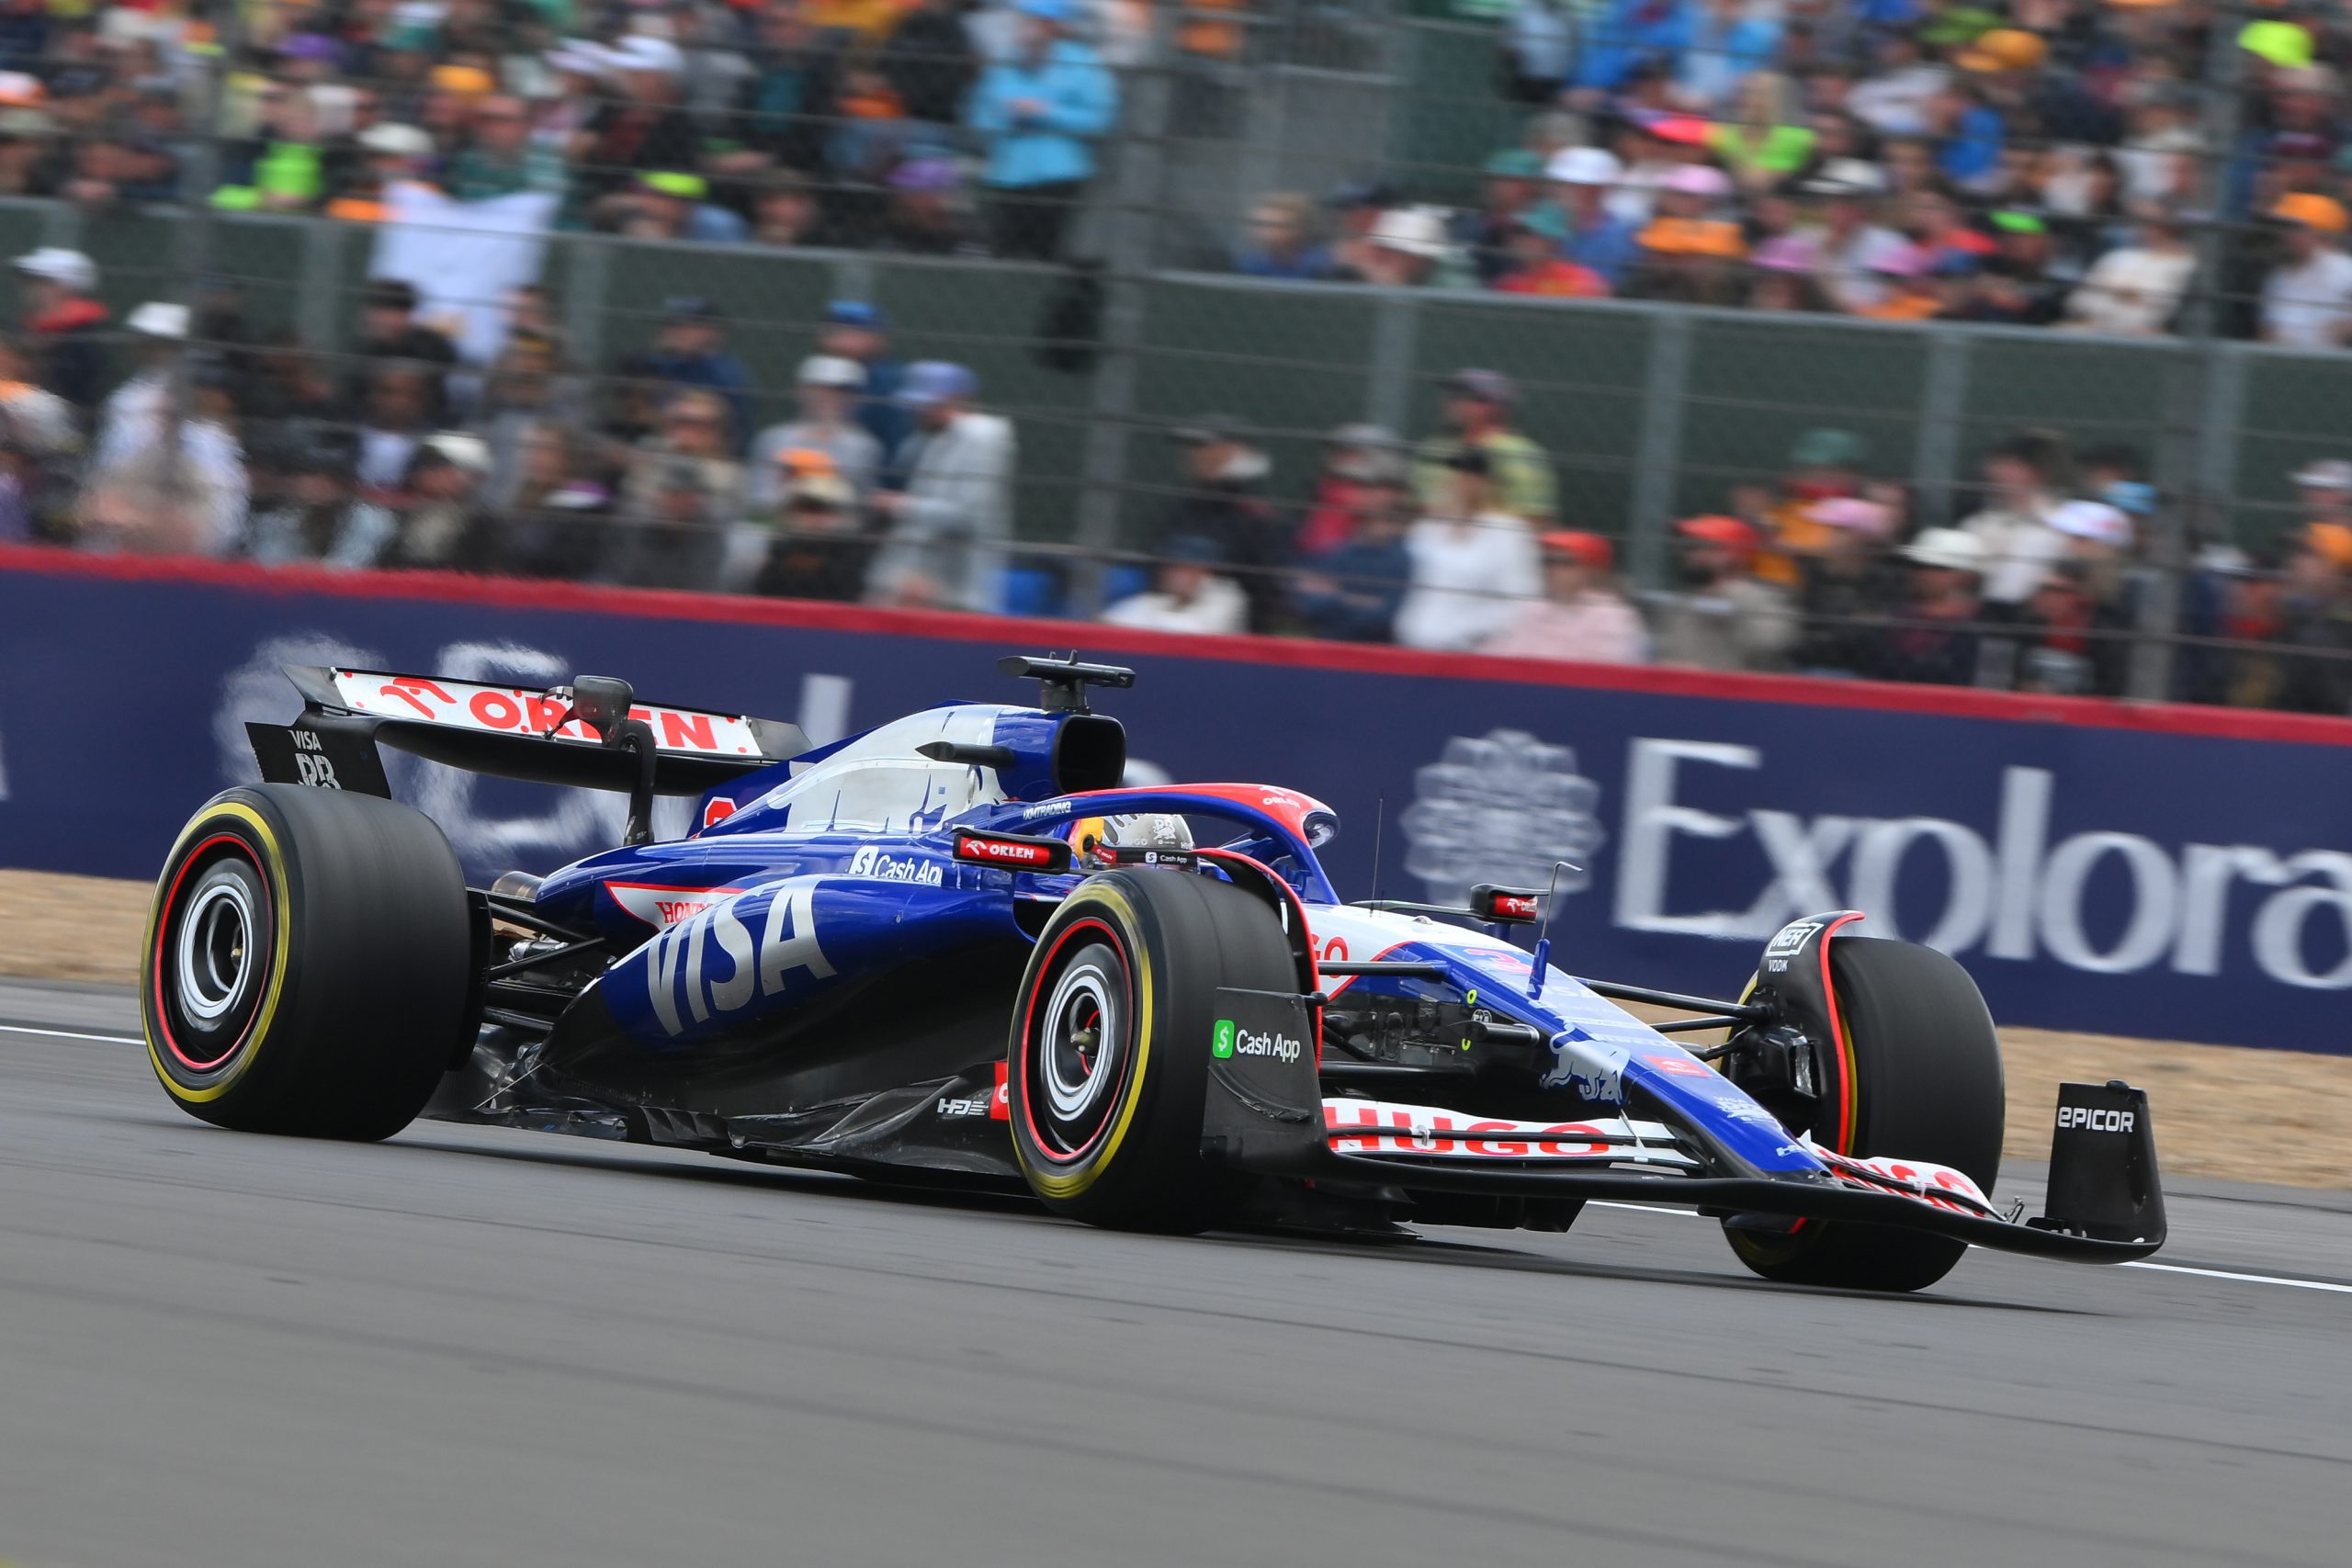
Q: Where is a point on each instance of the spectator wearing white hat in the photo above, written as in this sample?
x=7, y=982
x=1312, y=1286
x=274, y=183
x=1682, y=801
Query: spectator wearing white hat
x=443, y=524
x=1849, y=242
x=138, y=413
x=63, y=326
x=1932, y=636
x=2324, y=494
x=137, y=498
x=1591, y=236
x=828, y=388
x=1406, y=248
x=642, y=129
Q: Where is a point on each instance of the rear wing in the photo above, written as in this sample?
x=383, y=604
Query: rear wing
x=512, y=732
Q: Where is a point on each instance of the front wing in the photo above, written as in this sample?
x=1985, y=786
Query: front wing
x=1264, y=1111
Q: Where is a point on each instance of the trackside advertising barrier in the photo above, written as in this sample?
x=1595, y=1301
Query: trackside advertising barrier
x=2170, y=873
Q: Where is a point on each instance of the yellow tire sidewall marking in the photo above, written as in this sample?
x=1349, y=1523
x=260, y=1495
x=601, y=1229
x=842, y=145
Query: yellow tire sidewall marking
x=1069, y=1184
x=274, y=867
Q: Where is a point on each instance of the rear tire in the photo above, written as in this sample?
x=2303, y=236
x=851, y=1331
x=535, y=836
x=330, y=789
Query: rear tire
x=1920, y=1079
x=1108, y=1063
x=308, y=963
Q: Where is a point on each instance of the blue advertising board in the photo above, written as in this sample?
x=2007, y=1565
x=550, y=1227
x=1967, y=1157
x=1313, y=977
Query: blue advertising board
x=2163, y=873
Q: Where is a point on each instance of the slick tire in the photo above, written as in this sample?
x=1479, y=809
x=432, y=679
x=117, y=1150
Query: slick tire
x=308, y=963
x=1108, y=1062
x=1919, y=1076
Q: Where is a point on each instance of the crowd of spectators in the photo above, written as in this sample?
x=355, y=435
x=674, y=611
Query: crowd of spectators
x=2063, y=163
x=936, y=127
x=2044, y=583
x=1882, y=159
x=893, y=484
x=889, y=484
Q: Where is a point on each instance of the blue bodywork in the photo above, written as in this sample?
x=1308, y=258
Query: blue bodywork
x=834, y=874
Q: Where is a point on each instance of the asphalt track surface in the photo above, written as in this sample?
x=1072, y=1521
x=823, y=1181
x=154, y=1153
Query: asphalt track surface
x=469, y=1346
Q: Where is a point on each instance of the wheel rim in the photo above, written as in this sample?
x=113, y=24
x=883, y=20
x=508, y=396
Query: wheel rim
x=213, y=956
x=1081, y=1049
x=216, y=937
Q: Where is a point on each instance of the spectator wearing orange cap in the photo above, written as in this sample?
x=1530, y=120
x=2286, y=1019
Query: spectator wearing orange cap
x=1722, y=617
x=2323, y=492
x=1686, y=251
x=1582, y=616
x=2307, y=298
x=2315, y=615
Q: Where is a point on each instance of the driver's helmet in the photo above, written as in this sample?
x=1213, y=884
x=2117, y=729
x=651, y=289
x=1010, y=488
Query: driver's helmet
x=1093, y=837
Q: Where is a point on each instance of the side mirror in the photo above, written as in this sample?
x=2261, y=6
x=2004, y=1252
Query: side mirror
x=601, y=703
x=1506, y=905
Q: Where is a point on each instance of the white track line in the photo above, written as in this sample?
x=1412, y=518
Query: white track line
x=2249, y=1278
x=72, y=1034
x=2328, y=1285
x=1597, y=1203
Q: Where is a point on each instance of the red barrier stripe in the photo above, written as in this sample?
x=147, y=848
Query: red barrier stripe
x=1950, y=702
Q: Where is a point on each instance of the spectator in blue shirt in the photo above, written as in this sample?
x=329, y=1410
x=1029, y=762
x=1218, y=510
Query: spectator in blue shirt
x=1350, y=593
x=1628, y=33
x=1730, y=39
x=1591, y=235
x=1971, y=132
x=691, y=350
x=857, y=330
x=1038, y=112
x=1280, y=242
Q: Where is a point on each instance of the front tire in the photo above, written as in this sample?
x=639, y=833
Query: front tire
x=1919, y=1078
x=1108, y=1063
x=308, y=963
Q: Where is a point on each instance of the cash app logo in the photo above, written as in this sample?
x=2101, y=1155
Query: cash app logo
x=1221, y=1042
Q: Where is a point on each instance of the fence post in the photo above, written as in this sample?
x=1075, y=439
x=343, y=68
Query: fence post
x=2182, y=455
x=318, y=300
x=1658, y=450
x=1396, y=334
x=1128, y=258
x=1943, y=402
x=586, y=270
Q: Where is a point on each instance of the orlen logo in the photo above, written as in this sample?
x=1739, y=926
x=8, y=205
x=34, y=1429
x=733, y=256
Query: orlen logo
x=1003, y=852
x=871, y=862
x=2095, y=1119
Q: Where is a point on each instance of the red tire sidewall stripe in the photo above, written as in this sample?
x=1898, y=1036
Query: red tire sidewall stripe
x=1028, y=1037
x=163, y=931
x=1850, y=1092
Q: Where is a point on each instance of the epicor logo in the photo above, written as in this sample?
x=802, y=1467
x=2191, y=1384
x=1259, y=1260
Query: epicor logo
x=1221, y=1043
x=2094, y=1120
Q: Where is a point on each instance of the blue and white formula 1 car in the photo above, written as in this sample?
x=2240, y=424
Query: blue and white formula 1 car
x=952, y=949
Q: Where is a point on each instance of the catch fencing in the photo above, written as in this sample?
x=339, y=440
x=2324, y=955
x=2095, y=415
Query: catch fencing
x=1650, y=410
